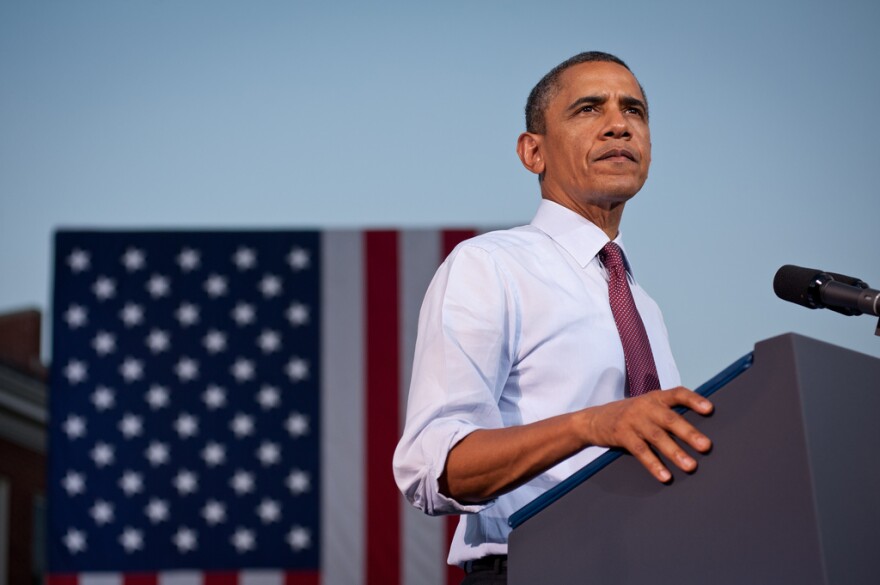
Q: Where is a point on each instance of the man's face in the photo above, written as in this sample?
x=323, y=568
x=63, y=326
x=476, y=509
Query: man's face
x=596, y=149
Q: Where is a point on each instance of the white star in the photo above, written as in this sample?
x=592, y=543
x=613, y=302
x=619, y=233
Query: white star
x=185, y=539
x=78, y=260
x=187, y=369
x=186, y=482
x=186, y=425
x=131, y=483
x=298, y=482
x=157, y=510
x=133, y=259
x=102, y=454
x=242, y=482
x=243, y=540
x=76, y=316
x=214, y=397
x=104, y=288
x=188, y=259
x=214, y=454
x=102, y=512
x=269, y=341
x=297, y=314
x=131, y=369
x=74, y=427
x=268, y=453
x=244, y=258
x=104, y=343
x=158, y=286
x=157, y=397
x=242, y=425
x=270, y=286
x=214, y=512
x=131, y=314
x=75, y=540
x=75, y=371
x=268, y=397
x=158, y=341
x=299, y=538
x=187, y=314
x=131, y=426
x=298, y=259
x=269, y=511
x=103, y=398
x=73, y=483
x=297, y=369
x=242, y=370
x=243, y=314
x=131, y=539
x=157, y=453
x=214, y=341
x=215, y=286
x=297, y=424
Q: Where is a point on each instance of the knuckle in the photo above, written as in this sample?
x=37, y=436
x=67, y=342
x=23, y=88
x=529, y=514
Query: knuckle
x=668, y=418
x=639, y=449
x=656, y=435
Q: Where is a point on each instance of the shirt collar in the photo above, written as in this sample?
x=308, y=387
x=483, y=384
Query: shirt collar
x=577, y=235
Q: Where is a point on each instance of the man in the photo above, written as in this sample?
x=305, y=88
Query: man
x=536, y=348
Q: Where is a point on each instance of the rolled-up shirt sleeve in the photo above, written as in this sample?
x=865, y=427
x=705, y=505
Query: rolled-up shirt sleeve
x=463, y=352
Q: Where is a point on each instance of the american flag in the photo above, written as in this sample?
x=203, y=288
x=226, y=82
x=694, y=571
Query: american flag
x=225, y=405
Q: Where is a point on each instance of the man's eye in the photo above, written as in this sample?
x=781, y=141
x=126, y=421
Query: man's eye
x=635, y=111
x=588, y=108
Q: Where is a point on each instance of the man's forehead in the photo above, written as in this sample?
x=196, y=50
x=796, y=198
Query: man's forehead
x=597, y=78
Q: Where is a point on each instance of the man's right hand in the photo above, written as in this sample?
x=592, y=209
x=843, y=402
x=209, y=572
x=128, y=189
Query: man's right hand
x=639, y=423
x=490, y=462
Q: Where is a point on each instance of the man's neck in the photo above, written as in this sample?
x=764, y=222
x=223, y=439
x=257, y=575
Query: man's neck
x=606, y=217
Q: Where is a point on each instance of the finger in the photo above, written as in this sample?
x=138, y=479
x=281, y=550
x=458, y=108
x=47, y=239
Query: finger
x=675, y=424
x=683, y=397
x=643, y=453
x=667, y=447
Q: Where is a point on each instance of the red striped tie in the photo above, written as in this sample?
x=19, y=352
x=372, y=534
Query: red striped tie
x=641, y=372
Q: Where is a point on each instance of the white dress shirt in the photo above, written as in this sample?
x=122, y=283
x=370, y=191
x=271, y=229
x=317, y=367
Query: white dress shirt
x=516, y=327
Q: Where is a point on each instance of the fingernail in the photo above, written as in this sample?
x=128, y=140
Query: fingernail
x=665, y=475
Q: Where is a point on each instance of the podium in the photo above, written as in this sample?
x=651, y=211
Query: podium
x=789, y=494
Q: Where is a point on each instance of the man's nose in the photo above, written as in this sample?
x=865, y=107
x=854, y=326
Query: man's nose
x=616, y=125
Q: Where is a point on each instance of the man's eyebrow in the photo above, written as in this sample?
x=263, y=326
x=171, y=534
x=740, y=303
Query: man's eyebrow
x=629, y=101
x=587, y=100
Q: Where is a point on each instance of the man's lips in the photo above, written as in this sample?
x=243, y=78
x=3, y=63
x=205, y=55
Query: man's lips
x=617, y=155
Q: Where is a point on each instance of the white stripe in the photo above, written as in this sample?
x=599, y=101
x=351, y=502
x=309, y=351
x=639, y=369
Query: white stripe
x=424, y=556
x=254, y=577
x=342, y=406
x=100, y=579
x=180, y=578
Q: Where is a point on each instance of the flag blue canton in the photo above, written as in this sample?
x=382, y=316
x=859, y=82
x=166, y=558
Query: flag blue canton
x=184, y=401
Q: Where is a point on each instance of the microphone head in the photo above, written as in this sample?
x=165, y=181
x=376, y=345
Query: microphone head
x=799, y=285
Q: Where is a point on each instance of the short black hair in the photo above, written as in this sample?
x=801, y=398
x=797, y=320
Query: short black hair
x=545, y=90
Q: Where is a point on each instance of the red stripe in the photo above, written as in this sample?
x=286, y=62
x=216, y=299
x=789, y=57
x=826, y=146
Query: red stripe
x=382, y=407
x=220, y=578
x=302, y=578
x=213, y=578
x=451, y=238
x=140, y=579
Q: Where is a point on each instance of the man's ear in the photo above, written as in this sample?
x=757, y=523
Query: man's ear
x=528, y=147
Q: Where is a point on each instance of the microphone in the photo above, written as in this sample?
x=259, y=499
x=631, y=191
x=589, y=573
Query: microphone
x=816, y=289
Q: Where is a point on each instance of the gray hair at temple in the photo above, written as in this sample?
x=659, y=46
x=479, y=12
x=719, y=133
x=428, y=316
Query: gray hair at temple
x=546, y=89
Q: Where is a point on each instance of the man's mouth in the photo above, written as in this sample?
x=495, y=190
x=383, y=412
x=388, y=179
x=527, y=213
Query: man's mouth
x=617, y=155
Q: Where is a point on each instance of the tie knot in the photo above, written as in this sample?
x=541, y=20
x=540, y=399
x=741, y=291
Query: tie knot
x=611, y=256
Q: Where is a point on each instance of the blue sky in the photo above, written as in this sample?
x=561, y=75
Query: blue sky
x=405, y=114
